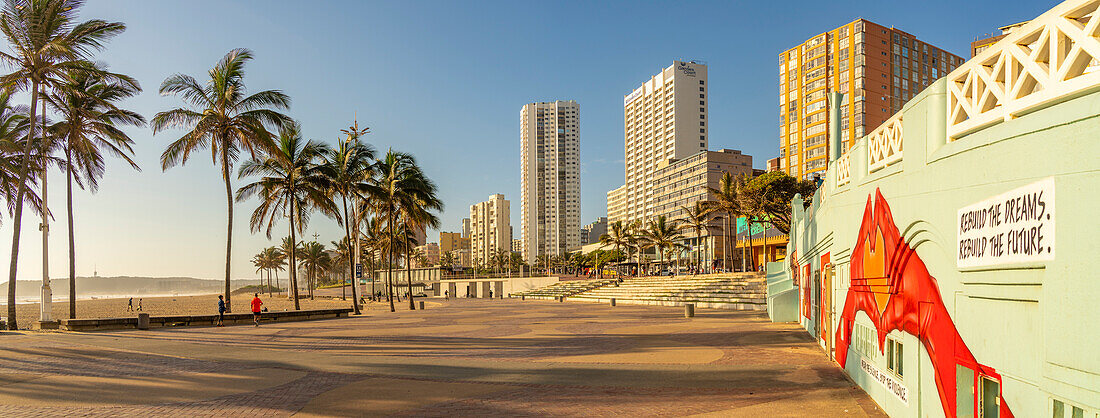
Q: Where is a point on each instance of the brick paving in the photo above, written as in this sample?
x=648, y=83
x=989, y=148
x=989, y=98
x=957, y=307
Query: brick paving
x=522, y=356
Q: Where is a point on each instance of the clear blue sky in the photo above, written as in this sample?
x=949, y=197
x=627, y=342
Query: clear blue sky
x=445, y=81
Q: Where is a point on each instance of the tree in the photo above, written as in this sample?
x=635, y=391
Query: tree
x=290, y=185
x=223, y=120
x=400, y=188
x=448, y=260
x=314, y=260
x=618, y=235
x=774, y=192
x=727, y=202
x=375, y=239
x=343, y=258
x=89, y=125
x=13, y=136
x=348, y=167
x=45, y=42
x=696, y=218
x=662, y=235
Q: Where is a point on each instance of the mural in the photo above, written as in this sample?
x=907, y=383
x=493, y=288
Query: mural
x=891, y=284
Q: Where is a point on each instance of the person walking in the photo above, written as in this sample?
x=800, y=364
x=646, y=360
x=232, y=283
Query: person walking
x=130, y=305
x=139, y=304
x=256, y=304
x=221, y=310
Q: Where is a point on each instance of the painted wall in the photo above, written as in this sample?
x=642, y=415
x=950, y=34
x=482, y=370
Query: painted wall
x=877, y=259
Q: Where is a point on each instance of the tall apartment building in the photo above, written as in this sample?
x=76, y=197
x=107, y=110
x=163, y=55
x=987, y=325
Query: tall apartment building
x=550, y=189
x=664, y=118
x=591, y=233
x=877, y=69
x=431, y=254
x=616, y=205
x=451, y=241
x=465, y=227
x=490, y=229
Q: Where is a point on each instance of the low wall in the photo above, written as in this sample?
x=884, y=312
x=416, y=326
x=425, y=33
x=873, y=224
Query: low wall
x=102, y=324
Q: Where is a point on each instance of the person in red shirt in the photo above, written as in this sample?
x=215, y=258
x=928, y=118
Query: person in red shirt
x=256, y=304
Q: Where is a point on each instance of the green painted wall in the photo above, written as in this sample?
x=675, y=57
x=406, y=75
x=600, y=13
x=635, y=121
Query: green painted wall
x=1037, y=323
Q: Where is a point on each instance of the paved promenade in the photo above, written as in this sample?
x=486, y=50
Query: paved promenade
x=460, y=357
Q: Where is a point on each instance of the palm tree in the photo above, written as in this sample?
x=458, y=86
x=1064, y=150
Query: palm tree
x=448, y=260
x=348, y=166
x=13, y=136
x=89, y=125
x=261, y=266
x=223, y=120
x=726, y=201
x=45, y=42
x=374, y=238
x=618, y=235
x=290, y=185
x=696, y=218
x=402, y=190
x=314, y=260
x=278, y=262
x=663, y=236
x=343, y=256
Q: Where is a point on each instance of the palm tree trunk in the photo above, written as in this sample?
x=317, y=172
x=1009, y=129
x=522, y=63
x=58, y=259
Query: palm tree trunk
x=293, y=267
x=354, y=256
x=389, y=268
x=46, y=303
x=24, y=169
x=408, y=274
x=229, y=228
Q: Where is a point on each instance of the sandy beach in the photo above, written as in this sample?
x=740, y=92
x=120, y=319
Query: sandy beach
x=170, y=305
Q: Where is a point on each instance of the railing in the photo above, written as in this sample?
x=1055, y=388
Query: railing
x=1047, y=60
x=843, y=169
x=884, y=144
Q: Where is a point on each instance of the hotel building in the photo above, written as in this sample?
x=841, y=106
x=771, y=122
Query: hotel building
x=592, y=232
x=490, y=229
x=876, y=68
x=550, y=189
x=664, y=118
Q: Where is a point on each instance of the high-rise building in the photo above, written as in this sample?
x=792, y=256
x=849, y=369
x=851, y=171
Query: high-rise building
x=660, y=119
x=517, y=246
x=490, y=229
x=466, y=228
x=550, y=187
x=591, y=233
x=616, y=205
x=430, y=251
x=451, y=241
x=987, y=41
x=876, y=68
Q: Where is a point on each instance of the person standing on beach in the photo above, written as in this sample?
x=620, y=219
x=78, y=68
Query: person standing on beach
x=130, y=306
x=256, y=304
x=139, y=304
x=221, y=310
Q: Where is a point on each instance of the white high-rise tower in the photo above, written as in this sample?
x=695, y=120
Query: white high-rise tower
x=550, y=178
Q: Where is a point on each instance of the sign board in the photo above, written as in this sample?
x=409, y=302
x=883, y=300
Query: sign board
x=358, y=270
x=633, y=95
x=891, y=384
x=1013, y=227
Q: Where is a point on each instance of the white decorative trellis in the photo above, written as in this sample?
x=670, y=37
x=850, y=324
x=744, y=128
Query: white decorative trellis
x=844, y=169
x=884, y=144
x=1049, y=59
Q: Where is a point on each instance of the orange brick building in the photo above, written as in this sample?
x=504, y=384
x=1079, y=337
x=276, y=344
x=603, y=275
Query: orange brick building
x=877, y=69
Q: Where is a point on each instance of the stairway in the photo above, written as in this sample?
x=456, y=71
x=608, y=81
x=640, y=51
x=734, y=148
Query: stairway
x=739, y=291
x=563, y=288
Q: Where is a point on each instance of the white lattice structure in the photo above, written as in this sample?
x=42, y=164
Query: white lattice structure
x=1047, y=60
x=844, y=169
x=884, y=144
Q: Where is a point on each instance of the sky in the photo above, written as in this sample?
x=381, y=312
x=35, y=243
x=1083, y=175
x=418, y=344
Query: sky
x=442, y=80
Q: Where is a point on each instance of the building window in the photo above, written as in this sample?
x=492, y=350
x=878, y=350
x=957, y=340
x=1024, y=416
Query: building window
x=894, y=358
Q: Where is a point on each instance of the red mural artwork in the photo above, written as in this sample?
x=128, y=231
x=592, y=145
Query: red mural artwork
x=890, y=283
